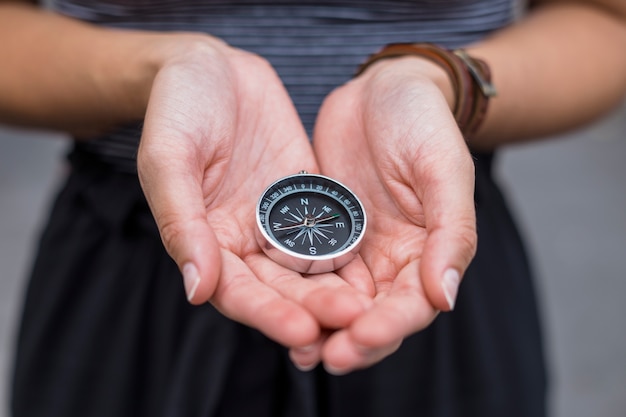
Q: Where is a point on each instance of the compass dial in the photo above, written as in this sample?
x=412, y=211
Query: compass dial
x=310, y=223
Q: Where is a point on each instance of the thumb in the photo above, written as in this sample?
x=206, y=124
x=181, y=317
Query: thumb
x=174, y=193
x=451, y=234
x=193, y=246
x=446, y=256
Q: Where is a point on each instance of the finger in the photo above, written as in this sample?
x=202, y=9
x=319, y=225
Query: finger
x=327, y=297
x=243, y=298
x=347, y=356
x=451, y=230
x=447, y=254
x=308, y=357
x=357, y=274
x=336, y=308
x=402, y=311
x=172, y=188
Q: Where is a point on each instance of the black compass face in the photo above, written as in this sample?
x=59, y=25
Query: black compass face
x=310, y=223
x=311, y=217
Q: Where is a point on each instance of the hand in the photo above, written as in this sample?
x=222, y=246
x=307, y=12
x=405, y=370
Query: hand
x=219, y=128
x=390, y=136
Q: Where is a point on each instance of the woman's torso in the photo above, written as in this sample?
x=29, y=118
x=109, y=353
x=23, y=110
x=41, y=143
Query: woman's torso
x=314, y=46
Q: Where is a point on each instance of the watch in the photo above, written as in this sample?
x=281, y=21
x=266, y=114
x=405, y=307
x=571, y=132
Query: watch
x=310, y=223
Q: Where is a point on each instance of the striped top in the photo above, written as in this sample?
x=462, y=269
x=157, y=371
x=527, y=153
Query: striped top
x=314, y=46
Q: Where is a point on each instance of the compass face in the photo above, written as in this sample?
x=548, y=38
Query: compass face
x=310, y=223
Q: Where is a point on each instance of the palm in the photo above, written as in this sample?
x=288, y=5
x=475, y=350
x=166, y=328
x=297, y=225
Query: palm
x=385, y=147
x=203, y=164
x=396, y=231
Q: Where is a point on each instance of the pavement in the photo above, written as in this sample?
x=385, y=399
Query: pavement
x=568, y=194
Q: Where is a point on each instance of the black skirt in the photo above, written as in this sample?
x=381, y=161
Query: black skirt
x=107, y=331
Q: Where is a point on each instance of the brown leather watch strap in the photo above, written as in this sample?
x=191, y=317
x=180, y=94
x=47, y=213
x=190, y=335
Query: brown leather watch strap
x=470, y=77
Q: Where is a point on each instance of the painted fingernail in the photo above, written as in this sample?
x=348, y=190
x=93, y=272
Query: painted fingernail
x=191, y=279
x=450, y=284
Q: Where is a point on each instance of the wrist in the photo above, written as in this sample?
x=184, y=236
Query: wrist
x=470, y=79
x=126, y=77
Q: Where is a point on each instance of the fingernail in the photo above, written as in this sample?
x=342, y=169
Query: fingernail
x=334, y=371
x=302, y=358
x=305, y=368
x=305, y=349
x=191, y=279
x=450, y=284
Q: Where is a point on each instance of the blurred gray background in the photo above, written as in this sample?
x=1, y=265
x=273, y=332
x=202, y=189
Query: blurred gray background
x=568, y=194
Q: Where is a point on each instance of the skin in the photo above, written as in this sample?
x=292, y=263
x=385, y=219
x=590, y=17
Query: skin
x=195, y=156
x=393, y=119
x=206, y=145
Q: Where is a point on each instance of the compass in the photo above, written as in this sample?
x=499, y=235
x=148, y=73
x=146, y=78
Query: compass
x=310, y=223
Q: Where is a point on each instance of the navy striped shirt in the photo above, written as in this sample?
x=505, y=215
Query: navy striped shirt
x=314, y=46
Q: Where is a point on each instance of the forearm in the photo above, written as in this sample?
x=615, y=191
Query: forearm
x=562, y=66
x=64, y=74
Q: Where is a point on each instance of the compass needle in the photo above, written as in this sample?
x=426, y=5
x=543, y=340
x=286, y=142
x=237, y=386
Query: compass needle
x=325, y=219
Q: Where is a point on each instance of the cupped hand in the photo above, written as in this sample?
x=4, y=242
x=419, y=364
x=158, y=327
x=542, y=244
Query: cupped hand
x=219, y=128
x=390, y=135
